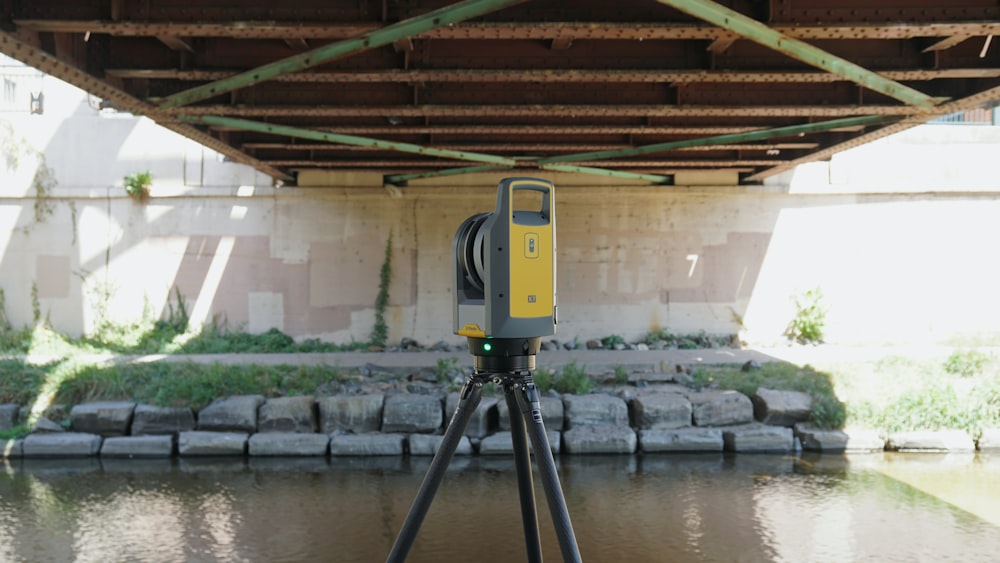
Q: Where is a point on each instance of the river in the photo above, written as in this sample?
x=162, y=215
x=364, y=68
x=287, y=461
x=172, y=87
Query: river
x=876, y=507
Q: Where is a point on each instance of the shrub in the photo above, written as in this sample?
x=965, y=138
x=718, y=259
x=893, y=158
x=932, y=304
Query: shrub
x=810, y=318
x=966, y=363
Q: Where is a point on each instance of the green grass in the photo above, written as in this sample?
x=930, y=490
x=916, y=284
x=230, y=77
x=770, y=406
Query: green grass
x=827, y=412
x=157, y=383
x=572, y=379
x=961, y=392
x=161, y=338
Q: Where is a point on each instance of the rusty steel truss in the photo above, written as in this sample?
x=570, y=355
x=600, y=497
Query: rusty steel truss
x=633, y=89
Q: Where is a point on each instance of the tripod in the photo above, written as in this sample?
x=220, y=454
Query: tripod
x=513, y=374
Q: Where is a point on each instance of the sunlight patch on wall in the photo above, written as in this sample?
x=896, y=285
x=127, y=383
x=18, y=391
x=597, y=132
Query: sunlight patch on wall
x=210, y=286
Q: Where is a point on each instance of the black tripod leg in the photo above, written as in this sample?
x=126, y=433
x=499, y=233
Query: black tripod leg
x=525, y=486
x=531, y=411
x=468, y=401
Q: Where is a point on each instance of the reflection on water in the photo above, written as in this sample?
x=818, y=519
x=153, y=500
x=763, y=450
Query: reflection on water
x=643, y=508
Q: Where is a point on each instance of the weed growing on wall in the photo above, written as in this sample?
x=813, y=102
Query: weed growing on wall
x=137, y=185
x=380, y=332
x=13, y=148
x=43, y=183
x=810, y=318
x=5, y=326
x=36, y=305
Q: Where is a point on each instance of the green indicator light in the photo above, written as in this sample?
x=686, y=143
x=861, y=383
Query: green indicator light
x=487, y=347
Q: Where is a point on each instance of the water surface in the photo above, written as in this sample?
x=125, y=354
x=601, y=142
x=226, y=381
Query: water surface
x=624, y=508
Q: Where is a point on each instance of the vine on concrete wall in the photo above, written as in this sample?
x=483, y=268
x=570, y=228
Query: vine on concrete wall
x=380, y=332
x=36, y=304
x=14, y=147
x=5, y=325
x=43, y=183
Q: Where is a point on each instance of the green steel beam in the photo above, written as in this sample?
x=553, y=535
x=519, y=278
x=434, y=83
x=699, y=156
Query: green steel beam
x=441, y=17
x=759, y=33
x=497, y=162
x=654, y=178
x=314, y=135
x=722, y=139
x=402, y=179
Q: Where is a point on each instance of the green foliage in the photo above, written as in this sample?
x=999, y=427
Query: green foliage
x=444, y=368
x=661, y=335
x=380, y=332
x=137, y=185
x=543, y=379
x=810, y=318
x=663, y=338
x=159, y=383
x=5, y=325
x=827, y=410
x=573, y=380
x=36, y=305
x=966, y=363
x=14, y=433
x=937, y=407
x=609, y=342
x=43, y=182
x=178, y=318
x=621, y=375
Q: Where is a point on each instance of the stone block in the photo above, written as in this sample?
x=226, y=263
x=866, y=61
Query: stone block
x=428, y=444
x=366, y=444
x=153, y=420
x=754, y=438
x=46, y=426
x=989, y=440
x=681, y=440
x=107, y=418
x=864, y=441
x=8, y=415
x=720, y=408
x=11, y=448
x=358, y=414
x=595, y=410
x=781, y=408
x=138, y=446
x=287, y=414
x=661, y=411
x=56, y=413
x=61, y=444
x=483, y=421
x=288, y=444
x=233, y=414
x=409, y=412
x=816, y=440
x=600, y=439
x=552, y=413
x=931, y=441
x=198, y=442
x=503, y=443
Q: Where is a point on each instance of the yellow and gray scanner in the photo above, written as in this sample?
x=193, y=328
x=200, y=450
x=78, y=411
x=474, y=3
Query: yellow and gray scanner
x=505, y=276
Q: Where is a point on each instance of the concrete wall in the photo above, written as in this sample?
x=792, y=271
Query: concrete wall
x=898, y=261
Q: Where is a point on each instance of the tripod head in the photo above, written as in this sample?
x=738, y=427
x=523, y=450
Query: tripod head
x=504, y=355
